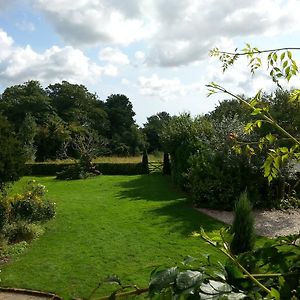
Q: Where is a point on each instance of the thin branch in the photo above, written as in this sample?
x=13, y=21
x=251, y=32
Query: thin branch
x=125, y=294
x=259, y=51
x=268, y=119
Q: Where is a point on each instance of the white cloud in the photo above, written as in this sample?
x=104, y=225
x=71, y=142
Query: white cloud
x=177, y=32
x=113, y=56
x=110, y=70
x=6, y=43
x=164, y=89
x=19, y=64
x=140, y=55
x=87, y=22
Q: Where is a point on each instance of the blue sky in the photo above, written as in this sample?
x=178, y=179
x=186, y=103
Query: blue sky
x=153, y=51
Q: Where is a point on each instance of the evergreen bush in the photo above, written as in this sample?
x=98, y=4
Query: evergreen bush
x=167, y=164
x=145, y=162
x=243, y=226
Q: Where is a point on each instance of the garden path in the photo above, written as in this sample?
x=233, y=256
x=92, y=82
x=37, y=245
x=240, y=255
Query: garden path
x=269, y=223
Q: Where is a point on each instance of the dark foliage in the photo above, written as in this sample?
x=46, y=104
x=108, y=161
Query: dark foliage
x=166, y=164
x=243, y=226
x=145, y=162
x=12, y=157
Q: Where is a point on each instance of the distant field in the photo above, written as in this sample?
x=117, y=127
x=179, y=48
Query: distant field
x=115, y=159
x=124, y=225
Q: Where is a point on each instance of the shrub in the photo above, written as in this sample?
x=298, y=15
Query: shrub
x=31, y=206
x=33, y=211
x=72, y=172
x=181, y=137
x=51, y=169
x=3, y=214
x=145, y=162
x=167, y=164
x=22, y=231
x=12, y=157
x=243, y=226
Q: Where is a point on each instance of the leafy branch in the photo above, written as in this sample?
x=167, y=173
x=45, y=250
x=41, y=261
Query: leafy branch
x=276, y=157
x=279, y=61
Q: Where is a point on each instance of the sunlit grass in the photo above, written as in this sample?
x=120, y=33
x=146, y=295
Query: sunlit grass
x=124, y=225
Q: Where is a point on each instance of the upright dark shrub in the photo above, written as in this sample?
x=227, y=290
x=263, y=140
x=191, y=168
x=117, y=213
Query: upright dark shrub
x=145, y=162
x=243, y=226
x=167, y=164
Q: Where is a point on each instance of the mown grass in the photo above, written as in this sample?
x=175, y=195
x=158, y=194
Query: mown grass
x=124, y=225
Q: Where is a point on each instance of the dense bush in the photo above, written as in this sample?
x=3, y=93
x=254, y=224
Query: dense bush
x=145, y=162
x=51, y=169
x=207, y=162
x=72, y=172
x=12, y=157
x=268, y=272
x=181, y=137
x=31, y=206
x=21, y=231
x=166, y=164
x=22, y=214
x=242, y=226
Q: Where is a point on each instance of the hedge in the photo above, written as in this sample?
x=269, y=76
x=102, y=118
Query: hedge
x=50, y=169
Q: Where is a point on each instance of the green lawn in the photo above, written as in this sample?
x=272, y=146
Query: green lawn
x=122, y=225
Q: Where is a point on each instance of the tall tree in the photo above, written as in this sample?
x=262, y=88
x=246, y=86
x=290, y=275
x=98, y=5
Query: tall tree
x=152, y=130
x=26, y=134
x=75, y=104
x=12, y=157
x=19, y=100
x=120, y=113
x=123, y=132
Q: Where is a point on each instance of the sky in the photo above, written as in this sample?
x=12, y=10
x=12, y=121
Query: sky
x=156, y=52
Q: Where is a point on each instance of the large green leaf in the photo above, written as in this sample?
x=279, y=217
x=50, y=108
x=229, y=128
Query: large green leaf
x=162, y=279
x=188, y=279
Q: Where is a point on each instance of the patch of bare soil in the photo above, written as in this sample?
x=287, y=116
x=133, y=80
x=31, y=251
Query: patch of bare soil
x=269, y=223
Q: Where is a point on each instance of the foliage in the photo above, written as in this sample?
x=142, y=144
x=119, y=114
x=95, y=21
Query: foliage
x=20, y=100
x=31, y=205
x=152, y=129
x=26, y=134
x=167, y=164
x=275, y=266
x=23, y=213
x=46, y=118
x=282, y=66
x=110, y=168
x=73, y=172
x=12, y=157
x=217, y=173
x=21, y=230
x=181, y=137
x=145, y=162
x=242, y=226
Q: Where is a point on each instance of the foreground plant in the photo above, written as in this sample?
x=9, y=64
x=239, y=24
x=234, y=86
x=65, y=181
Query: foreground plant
x=21, y=215
x=281, y=66
x=268, y=272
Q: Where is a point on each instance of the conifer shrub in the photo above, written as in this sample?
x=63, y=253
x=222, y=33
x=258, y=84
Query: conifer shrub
x=167, y=164
x=243, y=226
x=145, y=162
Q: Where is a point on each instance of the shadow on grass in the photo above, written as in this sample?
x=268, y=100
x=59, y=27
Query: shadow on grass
x=176, y=210
x=181, y=217
x=154, y=187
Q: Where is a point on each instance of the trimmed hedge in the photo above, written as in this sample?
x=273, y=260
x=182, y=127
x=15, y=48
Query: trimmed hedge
x=50, y=169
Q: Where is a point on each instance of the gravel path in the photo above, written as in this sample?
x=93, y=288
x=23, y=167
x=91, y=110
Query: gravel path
x=270, y=223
